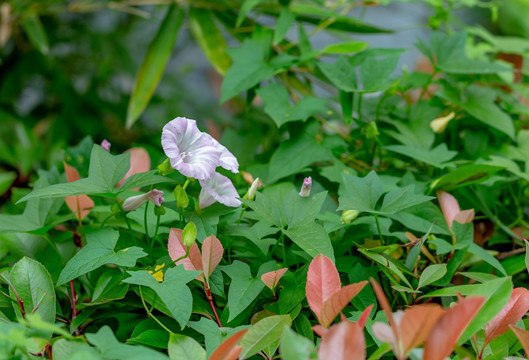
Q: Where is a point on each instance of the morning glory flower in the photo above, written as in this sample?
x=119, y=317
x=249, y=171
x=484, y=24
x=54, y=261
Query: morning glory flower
x=305, y=188
x=189, y=150
x=105, y=144
x=227, y=160
x=134, y=202
x=218, y=188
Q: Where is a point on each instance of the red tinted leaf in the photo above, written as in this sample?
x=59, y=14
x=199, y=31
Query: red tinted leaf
x=343, y=341
x=416, y=324
x=140, y=161
x=449, y=206
x=320, y=330
x=229, y=350
x=444, y=335
x=71, y=173
x=335, y=304
x=177, y=249
x=515, y=309
x=80, y=204
x=465, y=216
x=271, y=278
x=212, y=252
x=365, y=316
x=322, y=281
x=523, y=336
x=384, y=304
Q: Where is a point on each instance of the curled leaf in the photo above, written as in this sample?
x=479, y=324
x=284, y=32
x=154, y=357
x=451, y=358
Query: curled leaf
x=516, y=308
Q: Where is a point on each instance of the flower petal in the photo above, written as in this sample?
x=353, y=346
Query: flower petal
x=190, y=151
x=218, y=188
x=227, y=160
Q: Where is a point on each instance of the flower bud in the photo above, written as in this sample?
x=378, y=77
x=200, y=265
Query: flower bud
x=106, y=145
x=182, y=200
x=165, y=167
x=250, y=195
x=372, y=130
x=305, y=188
x=189, y=234
x=159, y=210
x=134, y=202
x=439, y=125
x=349, y=215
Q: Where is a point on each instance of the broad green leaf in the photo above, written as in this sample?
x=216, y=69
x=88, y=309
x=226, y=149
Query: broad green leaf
x=104, y=173
x=105, y=341
x=64, y=349
x=183, y=347
x=265, y=209
x=311, y=238
x=263, y=334
x=173, y=290
x=485, y=256
x=346, y=101
x=35, y=288
x=153, y=64
x=36, y=34
x=431, y=274
x=244, y=288
x=284, y=22
x=360, y=194
x=99, y=251
x=436, y=157
x=213, y=335
x=421, y=217
x=151, y=337
x=298, y=209
x=295, y=347
x=209, y=37
x=249, y=68
x=144, y=179
x=276, y=104
x=464, y=176
x=6, y=180
x=400, y=199
x=479, y=102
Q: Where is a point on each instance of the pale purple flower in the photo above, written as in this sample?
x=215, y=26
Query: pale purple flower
x=105, y=144
x=227, y=160
x=134, y=202
x=218, y=188
x=305, y=188
x=189, y=150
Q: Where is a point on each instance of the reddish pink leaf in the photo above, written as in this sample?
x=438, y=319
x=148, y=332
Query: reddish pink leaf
x=523, y=336
x=465, y=216
x=335, y=304
x=271, y=278
x=384, y=304
x=177, y=249
x=444, y=335
x=79, y=204
x=452, y=211
x=416, y=324
x=212, y=252
x=515, y=309
x=320, y=330
x=343, y=341
x=365, y=316
x=140, y=162
x=322, y=281
x=229, y=350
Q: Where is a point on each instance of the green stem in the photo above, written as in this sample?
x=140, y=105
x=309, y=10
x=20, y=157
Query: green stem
x=105, y=220
x=156, y=228
x=184, y=256
x=145, y=222
x=151, y=315
x=379, y=231
x=284, y=251
x=126, y=221
x=186, y=183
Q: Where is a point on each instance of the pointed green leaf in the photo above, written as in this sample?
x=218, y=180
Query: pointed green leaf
x=431, y=274
x=311, y=238
x=183, y=347
x=36, y=34
x=360, y=194
x=264, y=333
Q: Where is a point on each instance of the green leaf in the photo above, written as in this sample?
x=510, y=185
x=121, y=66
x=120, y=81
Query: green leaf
x=421, y=217
x=150, y=337
x=485, y=256
x=431, y=274
x=346, y=101
x=464, y=176
x=298, y=209
x=265, y=209
x=526, y=254
x=436, y=157
x=295, y=347
x=64, y=349
x=151, y=69
x=249, y=68
x=263, y=334
x=105, y=171
x=35, y=288
x=246, y=7
x=6, y=180
x=400, y=199
x=284, y=22
x=345, y=47
x=183, y=347
x=209, y=37
x=275, y=98
x=244, y=288
x=360, y=194
x=311, y=238
x=99, y=251
x=36, y=34
x=173, y=290
x=107, y=344
x=479, y=102
x=144, y=179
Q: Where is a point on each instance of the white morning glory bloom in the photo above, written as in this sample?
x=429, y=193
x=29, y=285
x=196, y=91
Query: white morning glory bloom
x=189, y=150
x=218, y=188
x=227, y=160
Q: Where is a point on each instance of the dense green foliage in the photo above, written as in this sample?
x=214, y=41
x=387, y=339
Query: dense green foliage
x=92, y=270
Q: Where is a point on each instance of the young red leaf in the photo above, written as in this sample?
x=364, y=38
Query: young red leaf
x=140, y=161
x=384, y=304
x=229, y=350
x=271, y=278
x=416, y=323
x=452, y=211
x=322, y=281
x=212, y=252
x=320, y=330
x=177, y=249
x=335, y=304
x=443, y=338
x=343, y=341
x=365, y=315
x=80, y=204
x=523, y=336
x=516, y=308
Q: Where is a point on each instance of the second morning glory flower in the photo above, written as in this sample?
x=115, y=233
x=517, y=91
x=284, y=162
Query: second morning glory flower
x=134, y=202
x=218, y=188
x=189, y=150
x=227, y=160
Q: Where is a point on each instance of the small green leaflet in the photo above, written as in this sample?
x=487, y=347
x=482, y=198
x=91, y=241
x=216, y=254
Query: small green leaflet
x=431, y=274
x=173, y=290
x=183, y=347
x=263, y=334
x=99, y=251
x=438, y=156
